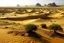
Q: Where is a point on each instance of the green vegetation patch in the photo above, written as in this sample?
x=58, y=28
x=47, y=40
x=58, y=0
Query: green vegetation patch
x=31, y=27
x=43, y=26
x=55, y=27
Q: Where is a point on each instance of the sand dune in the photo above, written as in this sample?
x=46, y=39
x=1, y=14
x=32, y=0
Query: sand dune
x=14, y=21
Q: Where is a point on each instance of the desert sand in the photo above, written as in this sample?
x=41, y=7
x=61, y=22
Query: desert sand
x=8, y=24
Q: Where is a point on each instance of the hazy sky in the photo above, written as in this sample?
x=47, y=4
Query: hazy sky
x=28, y=2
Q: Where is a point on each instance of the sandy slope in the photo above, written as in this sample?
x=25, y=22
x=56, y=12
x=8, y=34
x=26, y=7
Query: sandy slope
x=57, y=15
x=7, y=38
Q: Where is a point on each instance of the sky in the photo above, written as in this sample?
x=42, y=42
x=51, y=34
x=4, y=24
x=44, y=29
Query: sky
x=29, y=2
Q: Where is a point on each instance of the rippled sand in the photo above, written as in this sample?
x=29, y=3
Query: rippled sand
x=8, y=38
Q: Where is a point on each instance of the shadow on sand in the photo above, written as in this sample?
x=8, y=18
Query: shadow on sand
x=39, y=37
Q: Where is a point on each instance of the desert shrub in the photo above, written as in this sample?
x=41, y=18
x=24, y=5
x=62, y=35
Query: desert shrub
x=31, y=33
x=3, y=13
x=6, y=27
x=31, y=27
x=52, y=21
x=46, y=14
x=13, y=22
x=6, y=22
x=43, y=26
x=55, y=27
x=33, y=11
x=63, y=13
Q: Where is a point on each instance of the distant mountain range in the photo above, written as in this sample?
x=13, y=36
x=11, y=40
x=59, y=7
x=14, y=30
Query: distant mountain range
x=52, y=5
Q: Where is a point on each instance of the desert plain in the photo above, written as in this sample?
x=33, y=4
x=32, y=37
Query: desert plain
x=15, y=19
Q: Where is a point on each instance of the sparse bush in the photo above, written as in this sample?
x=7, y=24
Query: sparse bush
x=55, y=27
x=31, y=33
x=43, y=26
x=51, y=21
x=46, y=14
x=13, y=22
x=31, y=27
x=2, y=13
x=15, y=15
x=6, y=27
x=6, y=22
x=63, y=13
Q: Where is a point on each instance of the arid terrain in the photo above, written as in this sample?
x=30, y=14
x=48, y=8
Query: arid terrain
x=16, y=19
